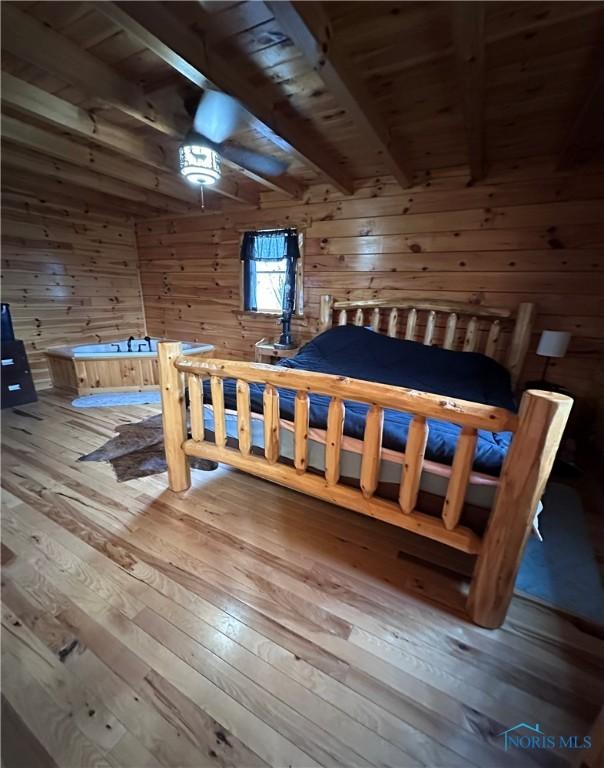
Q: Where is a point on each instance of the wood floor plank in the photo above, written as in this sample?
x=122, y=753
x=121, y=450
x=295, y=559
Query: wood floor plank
x=130, y=752
x=35, y=544
x=193, y=639
x=263, y=739
x=158, y=719
x=50, y=724
x=242, y=624
x=80, y=703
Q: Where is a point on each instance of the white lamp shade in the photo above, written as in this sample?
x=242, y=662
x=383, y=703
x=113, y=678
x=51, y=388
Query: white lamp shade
x=199, y=164
x=553, y=343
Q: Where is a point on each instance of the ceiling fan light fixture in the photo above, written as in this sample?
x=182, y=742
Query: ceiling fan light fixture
x=199, y=164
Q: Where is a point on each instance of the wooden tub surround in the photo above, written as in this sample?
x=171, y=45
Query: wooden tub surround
x=537, y=429
x=88, y=374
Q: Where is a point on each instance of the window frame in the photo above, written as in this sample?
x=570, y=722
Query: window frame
x=299, y=287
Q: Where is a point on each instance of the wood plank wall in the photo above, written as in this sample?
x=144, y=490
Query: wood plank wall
x=70, y=276
x=527, y=235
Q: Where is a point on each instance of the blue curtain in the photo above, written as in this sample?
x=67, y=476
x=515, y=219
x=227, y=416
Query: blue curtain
x=271, y=245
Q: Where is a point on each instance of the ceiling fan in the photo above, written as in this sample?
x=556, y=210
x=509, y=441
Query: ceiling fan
x=216, y=117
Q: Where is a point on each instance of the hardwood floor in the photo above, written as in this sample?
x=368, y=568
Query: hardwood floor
x=242, y=624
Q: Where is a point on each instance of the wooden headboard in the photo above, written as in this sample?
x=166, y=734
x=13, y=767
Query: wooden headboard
x=500, y=333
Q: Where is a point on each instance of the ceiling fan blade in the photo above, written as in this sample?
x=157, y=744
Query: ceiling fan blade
x=198, y=138
x=264, y=165
x=218, y=116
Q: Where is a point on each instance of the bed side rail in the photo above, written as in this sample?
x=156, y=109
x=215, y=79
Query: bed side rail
x=538, y=428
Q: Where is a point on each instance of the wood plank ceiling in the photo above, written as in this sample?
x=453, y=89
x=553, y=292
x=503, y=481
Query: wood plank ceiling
x=93, y=94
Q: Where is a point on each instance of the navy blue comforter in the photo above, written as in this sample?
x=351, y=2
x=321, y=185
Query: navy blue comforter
x=362, y=354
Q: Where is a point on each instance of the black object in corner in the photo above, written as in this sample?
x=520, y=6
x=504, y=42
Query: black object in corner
x=17, y=384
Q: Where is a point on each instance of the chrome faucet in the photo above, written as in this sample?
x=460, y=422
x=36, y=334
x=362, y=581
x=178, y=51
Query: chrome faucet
x=130, y=340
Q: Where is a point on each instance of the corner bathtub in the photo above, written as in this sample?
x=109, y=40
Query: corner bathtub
x=110, y=366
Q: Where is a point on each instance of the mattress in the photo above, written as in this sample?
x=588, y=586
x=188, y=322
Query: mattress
x=363, y=354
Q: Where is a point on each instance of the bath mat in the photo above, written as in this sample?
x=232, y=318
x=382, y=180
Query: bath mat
x=562, y=570
x=138, y=451
x=109, y=399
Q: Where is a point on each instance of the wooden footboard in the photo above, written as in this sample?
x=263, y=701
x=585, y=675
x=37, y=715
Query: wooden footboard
x=537, y=432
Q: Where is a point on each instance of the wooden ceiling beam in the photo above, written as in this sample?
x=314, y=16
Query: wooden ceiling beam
x=57, y=194
x=309, y=28
x=43, y=165
x=30, y=40
x=34, y=101
x=174, y=42
x=467, y=22
x=587, y=131
x=31, y=100
x=159, y=185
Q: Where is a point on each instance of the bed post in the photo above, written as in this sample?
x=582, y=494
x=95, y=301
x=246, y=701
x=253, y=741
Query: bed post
x=541, y=421
x=325, y=312
x=174, y=414
x=521, y=338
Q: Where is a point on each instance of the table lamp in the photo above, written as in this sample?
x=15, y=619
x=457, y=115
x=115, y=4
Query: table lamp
x=551, y=344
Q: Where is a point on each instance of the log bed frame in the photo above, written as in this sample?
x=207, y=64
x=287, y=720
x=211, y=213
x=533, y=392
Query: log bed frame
x=537, y=428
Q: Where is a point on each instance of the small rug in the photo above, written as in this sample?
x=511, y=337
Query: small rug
x=111, y=399
x=138, y=451
x=562, y=570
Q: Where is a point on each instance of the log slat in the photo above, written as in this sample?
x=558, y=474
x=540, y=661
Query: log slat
x=413, y=463
x=460, y=475
x=301, y=415
x=492, y=339
x=411, y=323
x=449, y=341
x=244, y=418
x=430, y=324
x=372, y=451
x=393, y=322
x=218, y=407
x=333, y=440
x=375, y=319
x=471, y=338
x=270, y=401
x=196, y=406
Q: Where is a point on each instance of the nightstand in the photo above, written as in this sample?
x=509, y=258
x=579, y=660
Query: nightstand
x=267, y=353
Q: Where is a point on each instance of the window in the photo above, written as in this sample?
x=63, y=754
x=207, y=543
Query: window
x=271, y=271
